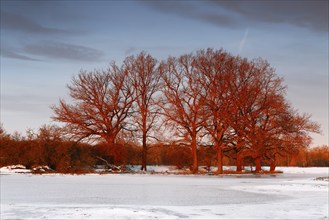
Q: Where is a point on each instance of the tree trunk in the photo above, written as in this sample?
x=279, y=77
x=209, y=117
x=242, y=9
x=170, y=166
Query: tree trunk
x=144, y=153
x=144, y=130
x=272, y=165
x=238, y=162
x=194, y=155
x=219, y=159
x=115, y=154
x=258, y=165
x=219, y=149
x=111, y=149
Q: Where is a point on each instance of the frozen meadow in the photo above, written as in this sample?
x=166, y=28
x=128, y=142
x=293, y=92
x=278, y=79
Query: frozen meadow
x=295, y=194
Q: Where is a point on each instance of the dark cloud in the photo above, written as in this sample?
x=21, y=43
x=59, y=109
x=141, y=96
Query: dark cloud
x=17, y=22
x=312, y=15
x=185, y=8
x=64, y=51
x=219, y=20
x=194, y=9
x=11, y=53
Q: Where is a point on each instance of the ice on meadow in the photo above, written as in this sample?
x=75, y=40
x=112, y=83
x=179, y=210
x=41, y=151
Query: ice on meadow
x=298, y=193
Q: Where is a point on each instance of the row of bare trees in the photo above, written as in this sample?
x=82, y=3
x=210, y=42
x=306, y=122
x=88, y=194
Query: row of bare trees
x=209, y=97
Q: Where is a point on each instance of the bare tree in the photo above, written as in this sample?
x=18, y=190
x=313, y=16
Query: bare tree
x=215, y=68
x=101, y=105
x=287, y=133
x=145, y=78
x=263, y=122
x=183, y=100
x=258, y=94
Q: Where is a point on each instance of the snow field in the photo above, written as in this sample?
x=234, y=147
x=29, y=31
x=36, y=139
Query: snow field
x=294, y=194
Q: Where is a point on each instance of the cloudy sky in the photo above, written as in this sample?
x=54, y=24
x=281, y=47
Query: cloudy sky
x=45, y=43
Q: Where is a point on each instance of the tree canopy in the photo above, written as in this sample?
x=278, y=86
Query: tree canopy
x=237, y=105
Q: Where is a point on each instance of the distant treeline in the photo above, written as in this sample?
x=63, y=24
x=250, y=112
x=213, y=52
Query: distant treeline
x=47, y=148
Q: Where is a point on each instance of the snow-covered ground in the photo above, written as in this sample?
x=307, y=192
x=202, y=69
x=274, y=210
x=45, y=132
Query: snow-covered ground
x=295, y=194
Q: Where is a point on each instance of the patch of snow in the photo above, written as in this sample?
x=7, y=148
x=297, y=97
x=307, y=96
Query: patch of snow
x=286, y=170
x=14, y=169
x=306, y=170
x=41, y=168
x=155, y=168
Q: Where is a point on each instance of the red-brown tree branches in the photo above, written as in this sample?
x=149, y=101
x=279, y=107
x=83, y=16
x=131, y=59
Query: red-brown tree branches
x=215, y=69
x=101, y=105
x=144, y=74
x=237, y=104
x=183, y=100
